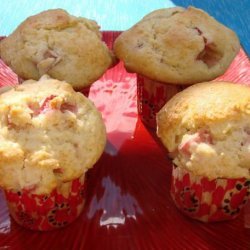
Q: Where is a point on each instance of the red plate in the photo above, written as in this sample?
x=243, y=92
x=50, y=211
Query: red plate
x=128, y=204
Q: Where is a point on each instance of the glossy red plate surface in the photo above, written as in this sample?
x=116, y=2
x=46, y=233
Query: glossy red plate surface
x=128, y=205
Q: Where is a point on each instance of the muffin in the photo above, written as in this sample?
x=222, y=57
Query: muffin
x=172, y=48
x=206, y=129
x=55, y=43
x=50, y=136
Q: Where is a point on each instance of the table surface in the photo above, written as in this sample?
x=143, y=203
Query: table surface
x=122, y=14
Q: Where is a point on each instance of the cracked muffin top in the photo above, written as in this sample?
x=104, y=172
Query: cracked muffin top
x=60, y=45
x=49, y=134
x=178, y=46
x=206, y=129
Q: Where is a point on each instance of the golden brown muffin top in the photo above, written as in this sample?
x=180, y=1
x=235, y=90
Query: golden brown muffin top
x=49, y=134
x=206, y=128
x=58, y=44
x=202, y=105
x=178, y=46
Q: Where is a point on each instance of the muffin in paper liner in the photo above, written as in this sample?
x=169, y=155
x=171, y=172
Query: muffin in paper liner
x=152, y=96
x=208, y=200
x=174, y=46
x=47, y=212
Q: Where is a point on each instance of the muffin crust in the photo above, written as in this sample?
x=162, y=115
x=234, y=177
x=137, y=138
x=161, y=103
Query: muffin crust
x=60, y=45
x=49, y=133
x=178, y=46
x=206, y=127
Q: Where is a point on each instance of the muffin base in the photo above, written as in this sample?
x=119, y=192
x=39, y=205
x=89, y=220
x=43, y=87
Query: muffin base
x=208, y=200
x=47, y=212
x=151, y=97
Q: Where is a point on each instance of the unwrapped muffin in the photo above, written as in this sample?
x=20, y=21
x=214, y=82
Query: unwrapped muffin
x=172, y=48
x=55, y=43
x=50, y=136
x=206, y=129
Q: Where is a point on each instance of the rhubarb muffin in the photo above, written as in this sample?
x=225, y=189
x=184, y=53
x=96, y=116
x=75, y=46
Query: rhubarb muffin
x=206, y=129
x=50, y=136
x=172, y=48
x=58, y=44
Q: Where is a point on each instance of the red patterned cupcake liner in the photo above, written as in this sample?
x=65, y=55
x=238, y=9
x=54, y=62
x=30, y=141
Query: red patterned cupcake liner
x=152, y=96
x=47, y=212
x=209, y=200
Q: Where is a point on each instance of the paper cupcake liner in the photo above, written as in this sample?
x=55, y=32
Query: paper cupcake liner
x=152, y=96
x=209, y=200
x=47, y=212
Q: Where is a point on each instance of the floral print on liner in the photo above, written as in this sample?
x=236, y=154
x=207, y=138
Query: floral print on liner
x=47, y=212
x=208, y=200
